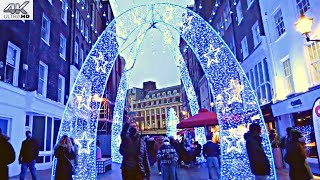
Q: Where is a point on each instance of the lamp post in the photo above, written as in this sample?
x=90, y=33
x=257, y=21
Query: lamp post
x=304, y=26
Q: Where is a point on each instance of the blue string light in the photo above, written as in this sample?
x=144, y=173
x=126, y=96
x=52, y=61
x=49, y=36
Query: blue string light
x=237, y=106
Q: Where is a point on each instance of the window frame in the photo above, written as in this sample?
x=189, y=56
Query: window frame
x=288, y=81
x=81, y=56
x=256, y=34
x=239, y=12
x=45, y=79
x=47, y=38
x=62, y=90
x=242, y=47
x=82, y=26
x=76, y=52
x=279, y=25
x=227, y=16
x=313, y=51
x=16, y=63
x=64, y=8
x=249, y=4
x=305, y=8
x=63, y=40
x=77, y=19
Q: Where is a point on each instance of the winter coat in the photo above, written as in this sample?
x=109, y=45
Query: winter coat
x=64, y=166
x=29, y=151
x=259, y=162
x=167, y=154
x=7, y=157
x=296, y=158
x=211, y=149
x=134, y=152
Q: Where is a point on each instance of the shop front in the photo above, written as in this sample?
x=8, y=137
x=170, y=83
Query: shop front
x=296, y=112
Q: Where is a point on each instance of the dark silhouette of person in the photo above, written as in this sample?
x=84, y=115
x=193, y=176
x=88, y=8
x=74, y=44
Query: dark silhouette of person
x=7, y=156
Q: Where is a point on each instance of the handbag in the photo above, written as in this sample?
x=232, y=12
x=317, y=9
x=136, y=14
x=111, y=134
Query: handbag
x=73, y=169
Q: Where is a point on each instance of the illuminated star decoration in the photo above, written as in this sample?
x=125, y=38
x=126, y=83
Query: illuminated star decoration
x=208, y=55
x=84, y=143
x=235, y=140
x=234, y=91
x=186, y=24
x=100, y=60
x=84, y=100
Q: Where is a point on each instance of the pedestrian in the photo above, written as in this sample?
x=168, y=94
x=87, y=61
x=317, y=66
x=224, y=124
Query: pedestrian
x=168, y=158
x=259, y=162
x=157, y=145
x=196, y=152
x=64, y=152
x=7, y=156
x=211, y=153
x=135, y=163
x=296, y=158
x=273, y=137
x=284, y=143
x=28, y=155
x=150, y=145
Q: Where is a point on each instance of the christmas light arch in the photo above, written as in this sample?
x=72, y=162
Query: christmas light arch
x=237, y=106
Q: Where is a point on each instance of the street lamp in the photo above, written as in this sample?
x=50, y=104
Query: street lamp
x=304, y=26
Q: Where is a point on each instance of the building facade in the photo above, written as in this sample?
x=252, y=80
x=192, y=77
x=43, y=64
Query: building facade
x=39, y=62
x=151, y=106
x=239, y=24
x=296, y=66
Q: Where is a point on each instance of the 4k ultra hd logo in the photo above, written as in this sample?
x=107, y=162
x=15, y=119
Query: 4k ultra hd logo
x=16, y=9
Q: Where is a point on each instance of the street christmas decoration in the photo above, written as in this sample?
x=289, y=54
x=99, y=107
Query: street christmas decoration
x=228, y=83
x=172, y=121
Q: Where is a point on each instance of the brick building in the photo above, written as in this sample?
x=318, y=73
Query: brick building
x=39, y=61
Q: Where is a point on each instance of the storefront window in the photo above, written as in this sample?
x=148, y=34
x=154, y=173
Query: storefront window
x=304, y=123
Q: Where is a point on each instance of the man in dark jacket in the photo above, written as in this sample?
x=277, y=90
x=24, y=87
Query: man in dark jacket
x=211, y=153
x=135, y=163
x=7, y=156
x=28, y=155
x=259, y=162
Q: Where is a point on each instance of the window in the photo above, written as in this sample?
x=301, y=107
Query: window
x=4, y=125
x=256, y=76
x=78, y=18
x=252, y=79
x=278, y=18
x=82, y=26
x=64, y=11
x=303, y=6
x=227, y=15
x=288, y=76
x=244, y=46
x=256, y=34
x=42, y=79
x=45, y=29
x=266, y=70
x=314, y=62
x=61, y=88
x=249, y=3
x=63, y=46
x=76, y=52
x=86, y=34
x=232, y=46
x=12, y=64
x=81, y=57
x=239, y=12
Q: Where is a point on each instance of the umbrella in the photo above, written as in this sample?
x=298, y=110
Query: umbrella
x=203, y=118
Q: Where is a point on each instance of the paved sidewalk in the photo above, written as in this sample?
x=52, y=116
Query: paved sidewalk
x=200, y=173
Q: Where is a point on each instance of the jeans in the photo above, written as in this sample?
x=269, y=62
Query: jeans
x=168, y=171
x=159, y=165
x=32, y=168
x=213, y=161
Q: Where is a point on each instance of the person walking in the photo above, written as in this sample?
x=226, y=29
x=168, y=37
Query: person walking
x=7, y=156
x=296, y=158
x=211, y=153
x=157, y=145
x=196, y=153
x=284, y=144
x=135, y=163
x=64, y=152
x=259, y=162
x=29, y=153
x=168, y=158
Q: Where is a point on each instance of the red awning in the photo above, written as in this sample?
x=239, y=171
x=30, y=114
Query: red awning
x=203, y=118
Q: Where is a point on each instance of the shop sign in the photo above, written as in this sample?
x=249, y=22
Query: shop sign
x=316, y=123
x=297, y=102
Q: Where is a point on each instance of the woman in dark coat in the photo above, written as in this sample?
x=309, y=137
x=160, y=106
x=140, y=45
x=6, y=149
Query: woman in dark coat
x=296, y=158
x=64, y=153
